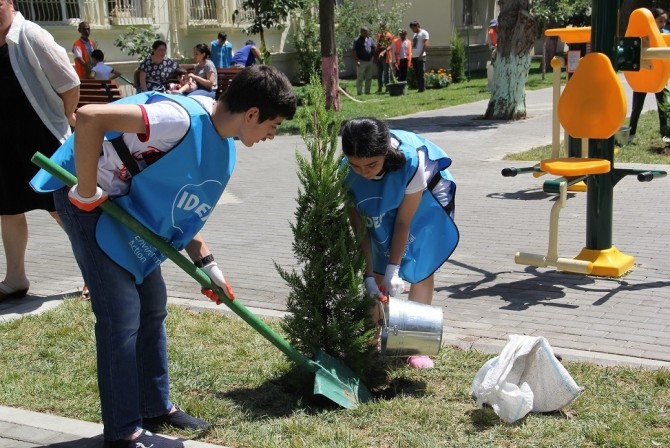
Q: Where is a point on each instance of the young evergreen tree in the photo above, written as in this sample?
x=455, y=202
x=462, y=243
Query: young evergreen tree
x=458, y=59
x=329, y=310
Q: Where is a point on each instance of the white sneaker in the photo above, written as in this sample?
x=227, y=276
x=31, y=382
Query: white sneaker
x=666, y=140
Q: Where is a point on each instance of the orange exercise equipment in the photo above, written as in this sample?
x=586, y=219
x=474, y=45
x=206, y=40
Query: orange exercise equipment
x=592, y=106
x=654, y=73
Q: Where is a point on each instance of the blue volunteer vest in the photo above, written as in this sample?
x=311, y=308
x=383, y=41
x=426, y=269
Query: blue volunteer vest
x=433, y=234
x=173, y=197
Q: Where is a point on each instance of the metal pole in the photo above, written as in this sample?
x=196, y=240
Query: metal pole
x=599, y=199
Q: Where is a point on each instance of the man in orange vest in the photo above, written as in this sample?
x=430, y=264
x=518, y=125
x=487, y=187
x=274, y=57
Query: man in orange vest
x=492, y=37
x=402, y=55
x=82, y=49
x=383, y=57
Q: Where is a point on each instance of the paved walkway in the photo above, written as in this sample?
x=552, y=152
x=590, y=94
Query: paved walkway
x=485, y=295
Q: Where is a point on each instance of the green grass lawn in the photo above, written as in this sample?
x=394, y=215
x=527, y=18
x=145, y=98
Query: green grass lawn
x=224, y=372
x=647, y=148
x=384, y=106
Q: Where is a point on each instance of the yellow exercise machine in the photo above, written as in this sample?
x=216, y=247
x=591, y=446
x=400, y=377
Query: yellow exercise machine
x=593, y=107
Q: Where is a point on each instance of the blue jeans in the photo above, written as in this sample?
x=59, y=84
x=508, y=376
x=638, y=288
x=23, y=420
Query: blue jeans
x=130, y=337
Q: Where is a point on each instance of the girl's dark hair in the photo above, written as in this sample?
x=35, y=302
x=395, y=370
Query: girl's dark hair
x=370, y=137
x=204, y=49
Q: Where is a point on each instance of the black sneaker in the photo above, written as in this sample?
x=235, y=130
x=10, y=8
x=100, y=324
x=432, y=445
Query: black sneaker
x=145, y=440
x=178, y=419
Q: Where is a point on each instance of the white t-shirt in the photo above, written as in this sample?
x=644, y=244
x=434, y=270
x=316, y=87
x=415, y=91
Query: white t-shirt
x=102, y=71
x=417, y=43
x=166, y=123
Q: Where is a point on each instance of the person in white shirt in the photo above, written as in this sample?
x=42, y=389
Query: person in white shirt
x=402, y=55
x=419, y=46
x=100, y=70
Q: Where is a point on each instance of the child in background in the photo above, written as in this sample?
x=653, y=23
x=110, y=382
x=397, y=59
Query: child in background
x=101, y=70
x=185, y=85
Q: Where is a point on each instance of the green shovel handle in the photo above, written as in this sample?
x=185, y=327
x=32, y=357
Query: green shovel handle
x=180, y=260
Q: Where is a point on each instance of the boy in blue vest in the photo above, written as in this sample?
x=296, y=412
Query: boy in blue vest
x=188, y=143
x=403, y=198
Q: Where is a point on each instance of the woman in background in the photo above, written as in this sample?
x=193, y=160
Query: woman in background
x=42, y=87
x=155, y=70
x=204, y=75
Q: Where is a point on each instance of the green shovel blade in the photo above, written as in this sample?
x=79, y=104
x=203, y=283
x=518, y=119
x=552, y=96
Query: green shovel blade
x=337, y=382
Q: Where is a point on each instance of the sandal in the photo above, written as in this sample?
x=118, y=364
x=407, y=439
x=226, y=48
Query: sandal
x=420, y=362
x=8, y=293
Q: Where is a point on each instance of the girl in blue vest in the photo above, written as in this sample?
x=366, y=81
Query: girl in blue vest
x=166, y=160
x=403, y=198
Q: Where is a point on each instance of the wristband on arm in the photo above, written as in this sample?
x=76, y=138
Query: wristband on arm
x=204, y=261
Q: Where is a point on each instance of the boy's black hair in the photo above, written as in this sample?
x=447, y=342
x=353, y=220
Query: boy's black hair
x=223, y=36
x=414, y=23
x=370, y=137
x=264, y=87
x=250, y=42
x=98, y=55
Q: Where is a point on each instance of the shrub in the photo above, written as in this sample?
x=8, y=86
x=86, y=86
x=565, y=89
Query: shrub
x=411, y=79
x=307, y=44
x=137, y=41
x=458, y=58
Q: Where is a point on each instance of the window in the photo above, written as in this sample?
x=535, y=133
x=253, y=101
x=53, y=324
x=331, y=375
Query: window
x=122, y=12
x=202, y=11
x=244, y=15
x=48, y=11
x=472, y=13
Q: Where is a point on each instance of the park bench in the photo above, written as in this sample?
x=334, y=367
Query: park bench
x=95, y=91
x=225, y=76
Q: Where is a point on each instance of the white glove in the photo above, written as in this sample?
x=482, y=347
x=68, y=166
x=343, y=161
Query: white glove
x=371, y=287
x=393, y=284
x=86, y=204
x=213, y=271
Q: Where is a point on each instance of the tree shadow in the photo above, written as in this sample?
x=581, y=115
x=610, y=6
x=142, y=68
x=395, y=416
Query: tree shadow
x=294, y=390
x=458, y=123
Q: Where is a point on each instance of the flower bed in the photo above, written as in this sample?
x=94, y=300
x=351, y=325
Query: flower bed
x=436, y=79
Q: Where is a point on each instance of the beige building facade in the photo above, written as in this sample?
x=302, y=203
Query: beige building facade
x=185, y=23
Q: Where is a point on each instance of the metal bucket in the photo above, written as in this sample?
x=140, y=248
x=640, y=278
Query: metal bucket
x=622, y=135
x=410, y=328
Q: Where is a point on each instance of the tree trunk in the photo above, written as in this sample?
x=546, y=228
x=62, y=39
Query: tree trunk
x=516, y=36
x=550, y=45
x=329, y=66
x=508, y=101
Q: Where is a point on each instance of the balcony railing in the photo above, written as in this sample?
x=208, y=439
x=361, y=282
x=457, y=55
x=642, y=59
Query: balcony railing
x=49, y=11
x=129, y=12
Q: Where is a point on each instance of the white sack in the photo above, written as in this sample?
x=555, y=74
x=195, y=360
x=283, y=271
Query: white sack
x=525, y=377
